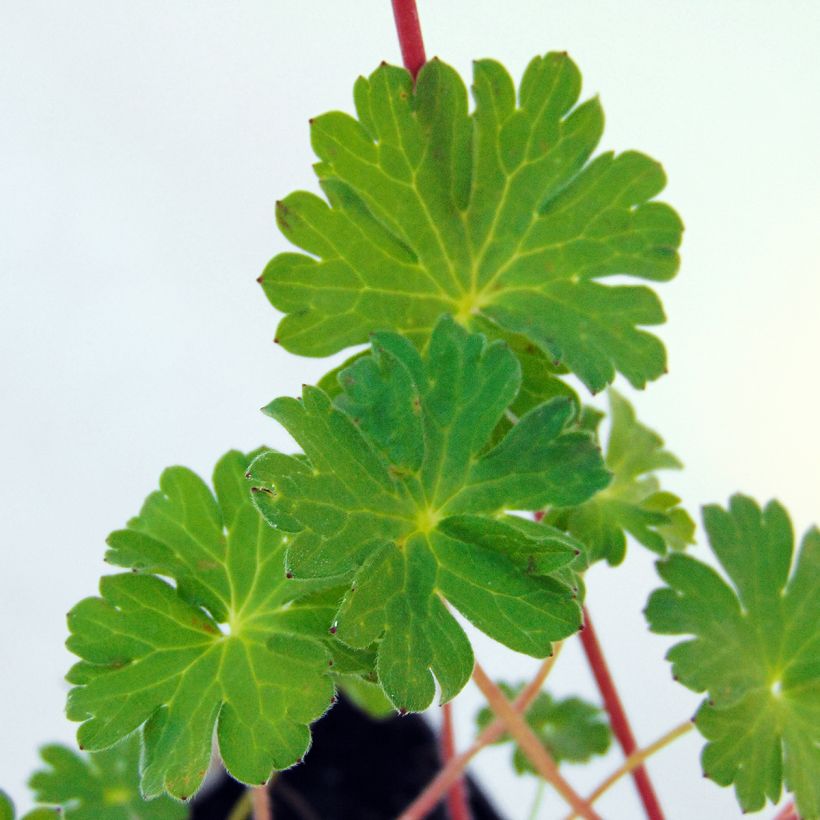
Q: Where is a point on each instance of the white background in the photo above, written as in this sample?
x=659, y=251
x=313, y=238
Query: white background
x=142, y=147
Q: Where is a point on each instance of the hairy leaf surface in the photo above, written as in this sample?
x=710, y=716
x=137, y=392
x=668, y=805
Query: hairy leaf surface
x=232, y=645
x=496, y=216
x=755, y=650
x=401, y=490
x=634, y=502
x=571, y=729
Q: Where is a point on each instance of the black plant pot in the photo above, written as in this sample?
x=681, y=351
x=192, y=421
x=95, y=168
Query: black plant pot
x=358, y=769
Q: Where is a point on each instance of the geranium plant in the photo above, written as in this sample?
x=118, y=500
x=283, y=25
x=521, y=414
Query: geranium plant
x=448, y=469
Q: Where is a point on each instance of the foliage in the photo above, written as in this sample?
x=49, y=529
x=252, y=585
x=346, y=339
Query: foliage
x=399, y=493
x=469, y=248
x=755, y=650
x=495, y=215
x=154, y=655
x=634, y=502
x=571, y=729
x=99, y=786
x=8, y=811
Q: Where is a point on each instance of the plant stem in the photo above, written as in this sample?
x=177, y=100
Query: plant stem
x=637, y=758
x=409, y=31
x=617, y=716
x=441, y=783
x=261, y=803
x=536, y=803
x=457, y=796
x=529, y=744
x=788, y=812
x=243, y=807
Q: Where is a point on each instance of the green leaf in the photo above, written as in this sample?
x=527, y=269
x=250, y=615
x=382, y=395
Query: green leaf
x=399, y=491
x=101, y=786
x=755, y=650
x=497, y=216
x=571, y=729
x=634, y=502
x=233, y=645
x=7, y=811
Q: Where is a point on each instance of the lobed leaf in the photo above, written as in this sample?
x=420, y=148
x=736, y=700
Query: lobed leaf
x=755, y=650
x=401, y=491
x=100, y=786
x=233, y=645
x=634, y=502
x=497, y=216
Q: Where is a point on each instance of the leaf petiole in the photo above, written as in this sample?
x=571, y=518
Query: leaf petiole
x=409, y=30
x=617, y=715
x=441, y=783
x=637, y=758
x=261, y=802
x=530, y=745
x=457, y=796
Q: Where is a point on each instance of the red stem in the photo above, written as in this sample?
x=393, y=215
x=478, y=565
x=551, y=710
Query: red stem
x=788, y=812
x=617, y=716
x=457, y=796
x=409, y=31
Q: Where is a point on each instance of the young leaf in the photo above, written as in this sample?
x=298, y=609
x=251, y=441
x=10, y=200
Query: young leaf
x=154, y=655
x=101, y=786
x=495, y=215
x=571, y=729
x=634, y=502
x=755, y=650
x=399, y=490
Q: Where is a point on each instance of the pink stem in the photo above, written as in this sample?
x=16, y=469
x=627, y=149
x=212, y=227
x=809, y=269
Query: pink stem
x=457, y=796
x=409, y=31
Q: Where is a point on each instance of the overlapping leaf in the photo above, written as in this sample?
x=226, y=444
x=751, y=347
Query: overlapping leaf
x=233, y=645
x=634, y=502
x=100, y=786
x=400, y=490
x=496, y=216
x=571, y=729
x=755, y=650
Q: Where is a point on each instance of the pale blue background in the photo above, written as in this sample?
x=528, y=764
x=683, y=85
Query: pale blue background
x=143, y=144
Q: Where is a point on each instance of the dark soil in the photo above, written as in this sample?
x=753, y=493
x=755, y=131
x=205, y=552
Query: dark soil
x=357, y=769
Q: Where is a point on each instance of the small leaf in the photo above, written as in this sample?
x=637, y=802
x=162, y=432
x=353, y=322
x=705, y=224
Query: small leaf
x=497, y=216
x=234, y=645
x=571, y=729
x=755, y=650
x=100, y=786
x=634, y=502
x=399, y=492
